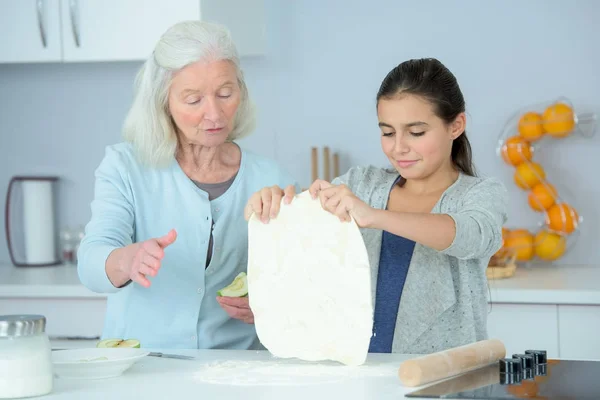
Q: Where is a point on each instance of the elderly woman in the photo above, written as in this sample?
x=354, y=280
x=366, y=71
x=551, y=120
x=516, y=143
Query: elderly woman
x=167, y=228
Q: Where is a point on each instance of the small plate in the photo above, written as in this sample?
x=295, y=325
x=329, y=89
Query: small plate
x=94, y=363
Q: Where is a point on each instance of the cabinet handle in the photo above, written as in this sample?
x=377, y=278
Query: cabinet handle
x=74, y=17
x=40, y=16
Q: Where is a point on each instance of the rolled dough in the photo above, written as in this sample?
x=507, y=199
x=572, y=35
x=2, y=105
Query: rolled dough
x=309, y=284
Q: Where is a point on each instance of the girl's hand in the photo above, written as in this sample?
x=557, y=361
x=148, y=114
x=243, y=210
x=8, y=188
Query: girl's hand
x=340, y=201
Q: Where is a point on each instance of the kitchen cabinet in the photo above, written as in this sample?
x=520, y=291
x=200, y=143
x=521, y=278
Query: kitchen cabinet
x=115, y=30
x=578, y=330
x=565, y=331
x=525, y=326
x=65, y=316
x=30, y=31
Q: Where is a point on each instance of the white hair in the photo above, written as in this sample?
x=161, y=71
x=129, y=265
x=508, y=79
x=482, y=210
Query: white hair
x=148, y=125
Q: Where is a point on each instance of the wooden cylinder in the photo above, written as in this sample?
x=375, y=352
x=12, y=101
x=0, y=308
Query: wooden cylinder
x=336, y=165
x=326, y=165
x=314, y=163
x=445, y=364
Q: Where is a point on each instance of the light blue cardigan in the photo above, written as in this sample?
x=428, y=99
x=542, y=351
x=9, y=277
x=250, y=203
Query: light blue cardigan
x=133, y=203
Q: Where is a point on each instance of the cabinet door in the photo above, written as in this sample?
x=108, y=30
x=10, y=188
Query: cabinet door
x=525, y=326
x=29, y=31
x=69, y=317
x=578, y=329
x=117, y=30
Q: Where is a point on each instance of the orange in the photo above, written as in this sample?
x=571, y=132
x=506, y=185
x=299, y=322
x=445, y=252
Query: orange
x=531, y=126
x=503, y=252
x=562, y=218
x=542, y=196
x=549, y=246
x=520, y=242
x=559, y=120
x=529, y=174
x=516, y=150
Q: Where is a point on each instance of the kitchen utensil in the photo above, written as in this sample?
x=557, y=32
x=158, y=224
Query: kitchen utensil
x=164, y=355
x=25, y=366
x=30, y=221
x=327, y=161
x=444, y=364
x=95, y=363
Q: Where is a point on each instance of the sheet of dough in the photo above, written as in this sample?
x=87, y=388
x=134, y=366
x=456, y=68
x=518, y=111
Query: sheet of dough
x=309, y=284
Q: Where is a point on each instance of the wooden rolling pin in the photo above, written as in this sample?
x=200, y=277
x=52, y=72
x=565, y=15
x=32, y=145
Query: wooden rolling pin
x=451, y=362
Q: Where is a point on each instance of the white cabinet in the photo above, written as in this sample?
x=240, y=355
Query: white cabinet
x=579, y=328
x=65, y=317
x=118, y=30
x=30, y=31
x=525, y=326
x=115, y=30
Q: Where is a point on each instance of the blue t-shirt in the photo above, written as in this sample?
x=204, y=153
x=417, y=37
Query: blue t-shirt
x=395, y=256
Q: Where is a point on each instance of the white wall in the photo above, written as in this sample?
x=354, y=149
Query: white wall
x=317, y=87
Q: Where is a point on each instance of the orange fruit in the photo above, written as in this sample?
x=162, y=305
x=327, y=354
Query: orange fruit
x=562, y=218
x=559, y=120
x=516, y=150
x=520, y=242
x=542, y=196
x=531, y=126
x=529, y=174
x=549, y=246
x=503, y=251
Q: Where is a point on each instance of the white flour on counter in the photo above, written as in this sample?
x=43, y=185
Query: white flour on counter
x=286, y=373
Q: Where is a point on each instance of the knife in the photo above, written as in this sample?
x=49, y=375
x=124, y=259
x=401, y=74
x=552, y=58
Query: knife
x=156, y=354
x=164, y=355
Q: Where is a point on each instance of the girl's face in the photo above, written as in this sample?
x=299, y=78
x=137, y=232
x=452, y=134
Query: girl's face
x=415, y=140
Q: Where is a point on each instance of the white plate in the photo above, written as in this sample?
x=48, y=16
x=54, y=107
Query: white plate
x=82, y=363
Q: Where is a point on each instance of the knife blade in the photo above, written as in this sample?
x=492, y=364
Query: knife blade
x=164, y=355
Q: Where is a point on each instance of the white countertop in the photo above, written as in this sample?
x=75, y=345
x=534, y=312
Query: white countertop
x=541, y=284
x=549, y=284
x=36, y=282
x=229, y=376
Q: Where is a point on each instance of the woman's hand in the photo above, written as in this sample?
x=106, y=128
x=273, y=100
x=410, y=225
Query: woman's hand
x=340, y=201
x=237, y=307
x=139, y=260
x=265, y=203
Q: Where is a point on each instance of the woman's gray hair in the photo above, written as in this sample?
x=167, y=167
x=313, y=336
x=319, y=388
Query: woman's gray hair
x=148, y=125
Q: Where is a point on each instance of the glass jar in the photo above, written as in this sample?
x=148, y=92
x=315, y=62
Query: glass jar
x=25, y=357
x=67, y=245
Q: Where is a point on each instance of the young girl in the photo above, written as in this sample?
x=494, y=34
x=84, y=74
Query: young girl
x=432, y=224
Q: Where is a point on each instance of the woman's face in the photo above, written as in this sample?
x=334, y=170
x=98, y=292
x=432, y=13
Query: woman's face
x=415, y=140
x=203, y=100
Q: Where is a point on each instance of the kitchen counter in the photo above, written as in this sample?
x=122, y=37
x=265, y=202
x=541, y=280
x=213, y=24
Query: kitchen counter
x=43, y=282
x=547, y=284
x=228, y=374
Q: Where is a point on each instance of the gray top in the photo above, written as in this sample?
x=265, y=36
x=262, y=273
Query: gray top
x=444, y=301
x=214, y=190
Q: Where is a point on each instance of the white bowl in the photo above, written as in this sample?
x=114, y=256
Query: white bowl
x=94, y=363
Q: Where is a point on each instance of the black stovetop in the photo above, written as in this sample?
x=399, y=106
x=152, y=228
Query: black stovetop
x=561, y=379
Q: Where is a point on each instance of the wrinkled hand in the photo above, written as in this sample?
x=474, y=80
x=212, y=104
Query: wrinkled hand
x=237, y=307
x=265, y=203
x=143, y=259
x=340, y=201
